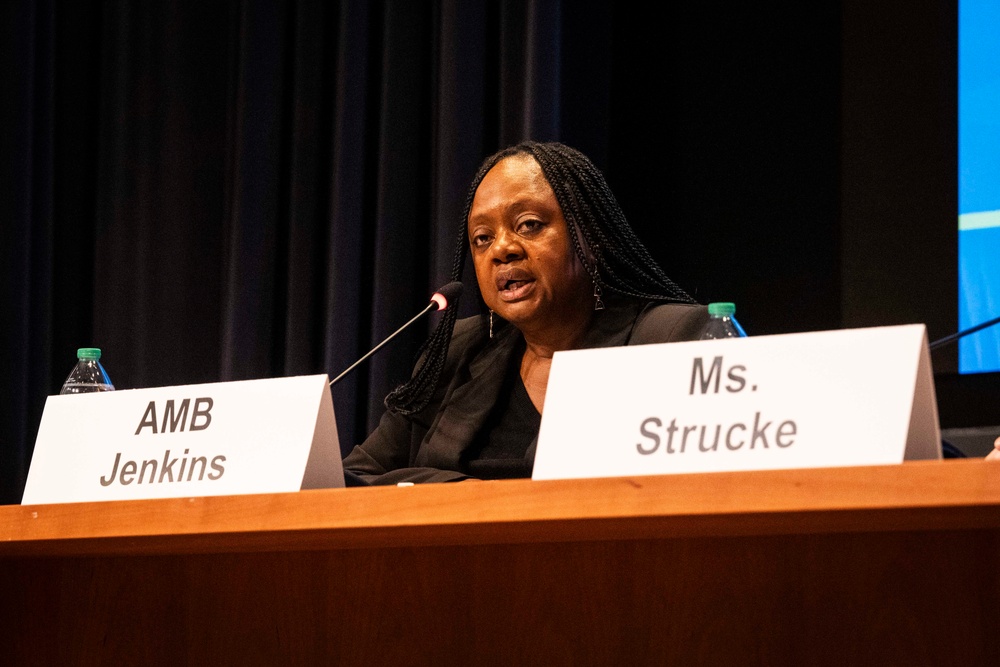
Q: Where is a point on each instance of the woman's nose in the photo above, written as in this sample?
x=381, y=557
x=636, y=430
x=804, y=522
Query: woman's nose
x=507, y=247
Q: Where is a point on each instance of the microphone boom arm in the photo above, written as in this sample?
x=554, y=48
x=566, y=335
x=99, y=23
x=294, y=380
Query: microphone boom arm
x=431, y=306
x=955, y=336
x=444, y=298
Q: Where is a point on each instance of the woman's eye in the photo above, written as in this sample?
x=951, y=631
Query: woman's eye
x=480, y=240
x=529, y=226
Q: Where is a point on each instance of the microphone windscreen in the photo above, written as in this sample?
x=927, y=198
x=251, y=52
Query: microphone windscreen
x=448, y=294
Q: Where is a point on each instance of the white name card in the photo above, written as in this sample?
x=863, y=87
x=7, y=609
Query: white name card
x=226, y=438
x=821, y=399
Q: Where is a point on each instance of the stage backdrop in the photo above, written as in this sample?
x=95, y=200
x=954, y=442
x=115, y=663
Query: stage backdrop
x=214, y=191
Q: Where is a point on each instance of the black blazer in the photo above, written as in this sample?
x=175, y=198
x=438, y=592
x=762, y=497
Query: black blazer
x=427, y=446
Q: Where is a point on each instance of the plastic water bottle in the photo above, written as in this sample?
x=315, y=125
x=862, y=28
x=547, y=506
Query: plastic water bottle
x=88, y=374
x=722, y=322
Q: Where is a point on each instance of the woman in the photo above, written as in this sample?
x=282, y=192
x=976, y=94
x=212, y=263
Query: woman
x=558, y=268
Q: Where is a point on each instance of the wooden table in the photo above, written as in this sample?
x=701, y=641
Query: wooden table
x=895, y=565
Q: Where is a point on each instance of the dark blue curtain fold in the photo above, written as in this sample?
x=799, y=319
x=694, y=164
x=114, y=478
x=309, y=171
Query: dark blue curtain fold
x=27, y=252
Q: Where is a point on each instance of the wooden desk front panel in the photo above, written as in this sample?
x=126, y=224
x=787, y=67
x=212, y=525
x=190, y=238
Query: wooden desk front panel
x=893, y=565
x=913, y=598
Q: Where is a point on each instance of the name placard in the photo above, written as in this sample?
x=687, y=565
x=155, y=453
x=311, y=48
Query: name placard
x=819, y=399
x=254, y=436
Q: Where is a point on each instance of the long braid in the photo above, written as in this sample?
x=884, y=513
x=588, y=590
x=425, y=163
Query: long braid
x=620, y=260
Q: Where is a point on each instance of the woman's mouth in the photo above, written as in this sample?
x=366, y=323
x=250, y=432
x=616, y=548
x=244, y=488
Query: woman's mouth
x=516, y=289
x=514, y=284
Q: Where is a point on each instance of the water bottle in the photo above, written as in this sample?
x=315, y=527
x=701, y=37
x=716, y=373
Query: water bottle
x=721, y=322
x=88, y=374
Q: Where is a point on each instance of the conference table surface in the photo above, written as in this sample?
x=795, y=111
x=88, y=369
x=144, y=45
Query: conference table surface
x=917, y=495
x=874, y=556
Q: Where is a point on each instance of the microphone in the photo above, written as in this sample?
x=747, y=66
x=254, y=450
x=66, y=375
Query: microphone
x=955, y=336
x=440, y=300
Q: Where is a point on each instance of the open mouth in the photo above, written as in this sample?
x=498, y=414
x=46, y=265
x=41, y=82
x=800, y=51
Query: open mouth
x=516, y=289
x=514, y=284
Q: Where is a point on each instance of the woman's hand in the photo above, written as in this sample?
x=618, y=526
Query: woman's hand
x=995, y=454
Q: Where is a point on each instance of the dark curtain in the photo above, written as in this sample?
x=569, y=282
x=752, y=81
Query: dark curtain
x=237, y=189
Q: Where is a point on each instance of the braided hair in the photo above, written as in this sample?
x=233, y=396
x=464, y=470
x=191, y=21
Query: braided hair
x=618, y=261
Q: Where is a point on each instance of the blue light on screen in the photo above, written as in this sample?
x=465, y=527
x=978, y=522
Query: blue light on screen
x=979, y=183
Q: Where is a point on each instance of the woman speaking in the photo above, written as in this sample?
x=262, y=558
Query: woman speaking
x=558, y=268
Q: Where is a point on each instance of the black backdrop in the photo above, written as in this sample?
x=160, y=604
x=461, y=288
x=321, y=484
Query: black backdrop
x=238, y=189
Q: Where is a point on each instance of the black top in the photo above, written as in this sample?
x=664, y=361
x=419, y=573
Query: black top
x=500, y=449
x=432, y=444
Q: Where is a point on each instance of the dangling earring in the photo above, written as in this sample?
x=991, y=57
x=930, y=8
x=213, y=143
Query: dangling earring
x=598, y=304
x=491, y=323
x=596, y=277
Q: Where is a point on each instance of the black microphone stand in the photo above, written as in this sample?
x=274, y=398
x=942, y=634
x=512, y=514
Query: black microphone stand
x=955, y=336
x=431, y=306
